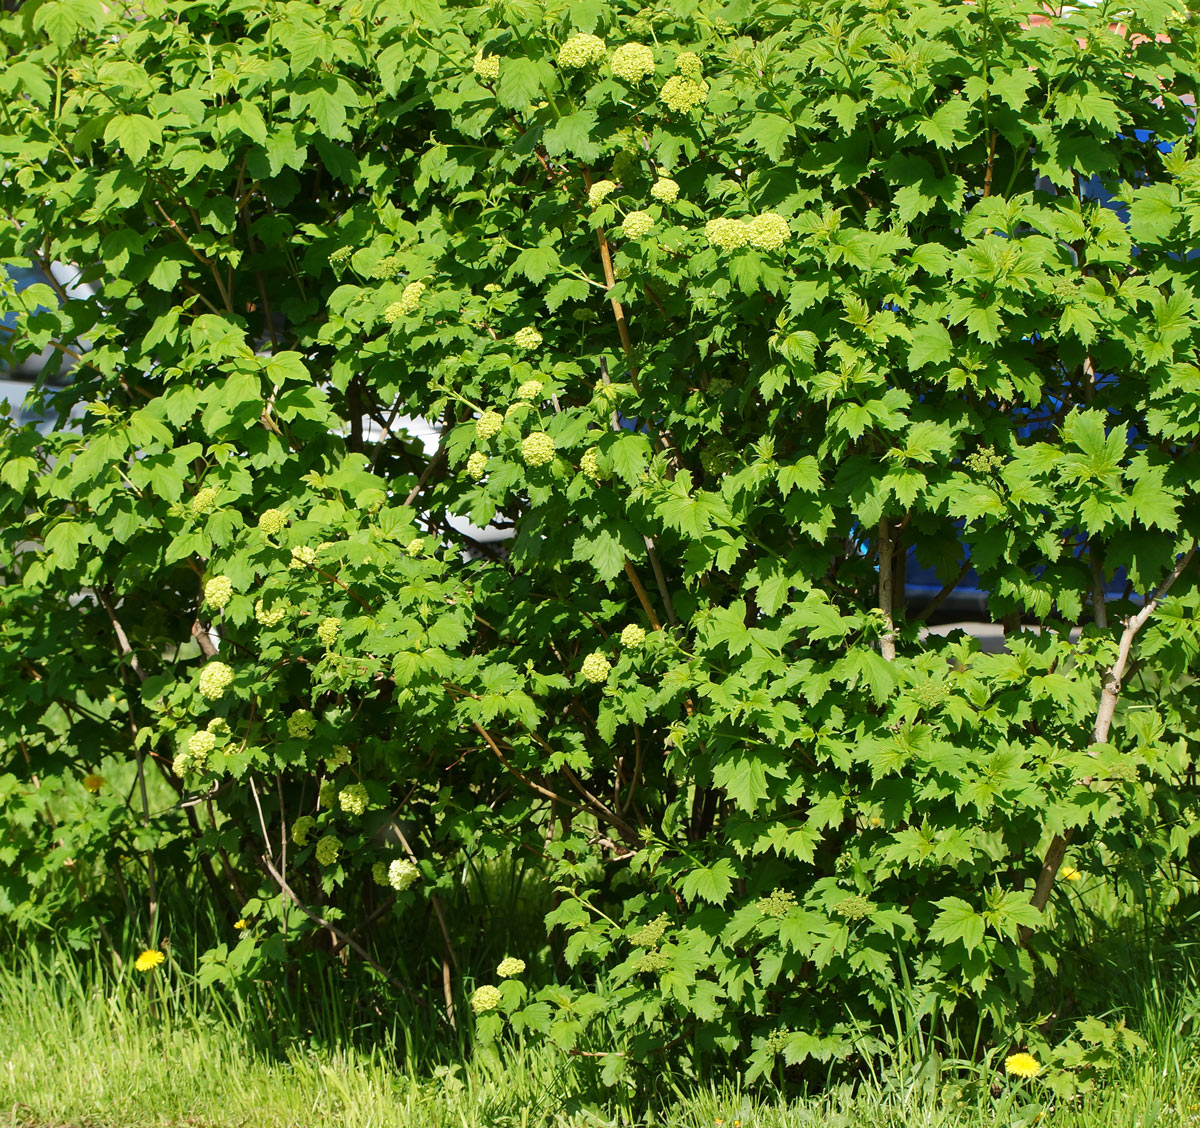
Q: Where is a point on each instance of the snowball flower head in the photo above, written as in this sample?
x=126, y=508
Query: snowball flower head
x=273, y=617
x=410, y=299
x=589, y=464
x=688, y=63
x=510, y=966
x=487, y=67
x=528, y=338
x=327, y=632
x=682, y=93
x=215, y=679
x=301, y=724
x=581, y=51
x=353, y=799
x=632, y=62
x=488, y=425
x=1022, y=1065
x=217, y=591
x=632, y=636
x=530, y=390
x=379, y=873
x=415, y=546
x=272, y=521
x=768, y=231
x=402, y=874
x=302, y=828
x=218, y=726
x=637, y=224
x=200, y=744
x=149, y=960
x=393, y=312
x=596, y=667
x=205, y=499
x=665, y=190
x=728, y=234
x=329, y=846
x=537, y=449
x=303, y=556
x=486, y=999
x=600, y=191
x=477, y=465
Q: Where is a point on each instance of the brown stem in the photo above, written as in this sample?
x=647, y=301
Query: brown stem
x=887, y=642
x=345, y=939
x=200, y=634
x=643, y=598
x=1105, y=711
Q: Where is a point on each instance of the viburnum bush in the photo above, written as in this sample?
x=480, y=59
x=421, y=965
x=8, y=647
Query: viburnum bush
x=724, y=315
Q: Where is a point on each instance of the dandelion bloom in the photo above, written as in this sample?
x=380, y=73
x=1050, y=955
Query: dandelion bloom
x=92, y=782
x=240, y=924
x=1022, y=1065
x=1070, y=873
x=149, y=959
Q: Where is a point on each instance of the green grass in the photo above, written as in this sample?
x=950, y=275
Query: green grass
x=81, y=1047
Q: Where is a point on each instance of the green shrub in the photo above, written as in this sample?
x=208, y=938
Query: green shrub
x=725, y=312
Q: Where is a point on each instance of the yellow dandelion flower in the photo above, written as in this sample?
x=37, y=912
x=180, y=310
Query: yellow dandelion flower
x=1022, y=1065
x=1070, y=873
x=149, y=960
x=92, y=782
x=240, y=924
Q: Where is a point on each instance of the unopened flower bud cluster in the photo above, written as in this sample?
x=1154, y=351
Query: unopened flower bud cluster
x=631, y=62
x=581, y=51
x=768, y=232
x=215, y=678
x=217, y=591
